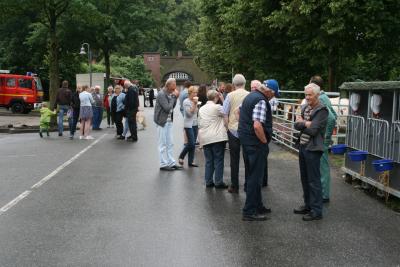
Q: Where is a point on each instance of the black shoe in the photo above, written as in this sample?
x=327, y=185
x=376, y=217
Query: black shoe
x=59, y=134
x=264, y=184
x=210, y=185
x=176, y=167
x=166, y=168
x=41, y=135
x=264, y=210
x=193, y=165
x=221, y=186
x=325, y=200
x=121, y=137
x=233, y=190
x=71, y=137
x=311, y=217
x=48, y=133
x=255, y=217
x=301, y=210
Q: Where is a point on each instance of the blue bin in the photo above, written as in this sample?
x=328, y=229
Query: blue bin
x=382, y=165
x=358, y=155
x=339, y=149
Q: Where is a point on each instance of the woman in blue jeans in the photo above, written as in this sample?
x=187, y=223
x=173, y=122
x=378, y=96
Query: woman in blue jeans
x=212, y=136
x=190, y=124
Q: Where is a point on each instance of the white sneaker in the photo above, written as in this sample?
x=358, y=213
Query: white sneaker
x=89, y=137
x=80, y=137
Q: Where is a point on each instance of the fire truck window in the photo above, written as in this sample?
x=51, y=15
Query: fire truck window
x=10, y=82
x=25, y=83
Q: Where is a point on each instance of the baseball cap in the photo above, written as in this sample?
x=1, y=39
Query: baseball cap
x=273, y=85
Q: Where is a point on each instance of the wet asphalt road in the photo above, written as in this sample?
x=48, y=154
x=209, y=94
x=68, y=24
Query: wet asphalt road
x=112, y=206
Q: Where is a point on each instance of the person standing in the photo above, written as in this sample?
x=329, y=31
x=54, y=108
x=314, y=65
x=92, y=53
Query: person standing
x=118, y=105
x=63, y=100
x=131, y=108
x=311, y=124
x=107, y=105
x=75, y=105
x=86, y=112
x=255, y=132
x=183, y=95
x=163, y=118
x=97, y=108
x=231, y=104
x=190, y=126
x=202, y=94
x=324, y=168
x=151, y=97
x=212, y=137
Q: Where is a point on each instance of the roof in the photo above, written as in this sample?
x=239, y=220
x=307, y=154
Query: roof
x=386, y=85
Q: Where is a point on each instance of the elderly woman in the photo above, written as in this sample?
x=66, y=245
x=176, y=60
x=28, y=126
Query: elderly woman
x=190, y=125
x=107, y=104
x=212, y=136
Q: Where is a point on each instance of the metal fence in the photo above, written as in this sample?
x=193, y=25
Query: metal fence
x=285, y=116
x=378, y=137
x=355, y=132
x=395, y=142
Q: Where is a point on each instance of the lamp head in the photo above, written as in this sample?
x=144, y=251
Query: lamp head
x=83, y=51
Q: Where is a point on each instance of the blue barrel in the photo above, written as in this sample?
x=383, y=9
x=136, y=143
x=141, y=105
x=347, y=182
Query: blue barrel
x=339, y=149
x=358, y=155
x=382, y=165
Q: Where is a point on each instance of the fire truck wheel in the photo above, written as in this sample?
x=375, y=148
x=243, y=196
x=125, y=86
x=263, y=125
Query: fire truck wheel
x=17, y=107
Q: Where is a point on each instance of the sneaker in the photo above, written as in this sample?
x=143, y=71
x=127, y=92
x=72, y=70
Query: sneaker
x=71, y=137
x=89, y=137
x=59, y=134
x=80, y=137
x=221, y=186
x=41, y=135
x=210, y=185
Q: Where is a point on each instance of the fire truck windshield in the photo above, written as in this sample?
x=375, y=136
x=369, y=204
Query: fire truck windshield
x=38, y=84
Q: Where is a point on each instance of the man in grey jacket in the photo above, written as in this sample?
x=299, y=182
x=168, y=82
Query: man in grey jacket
x=163, y=117
x=311, y=125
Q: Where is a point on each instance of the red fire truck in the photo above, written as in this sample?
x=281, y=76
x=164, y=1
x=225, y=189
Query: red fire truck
x=20, y=92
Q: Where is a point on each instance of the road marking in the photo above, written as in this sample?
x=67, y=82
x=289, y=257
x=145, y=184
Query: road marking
x=13, y=202
x=65, y=164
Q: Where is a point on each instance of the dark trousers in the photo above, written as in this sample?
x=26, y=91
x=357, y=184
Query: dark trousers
x=311, y=179
x=234, y=152
x=73, y=121
x=110, y=119
x=189, y=147
x=265, y=178
x=118, y=122
x=151, y=102
x=255, y=164
x=131, y=116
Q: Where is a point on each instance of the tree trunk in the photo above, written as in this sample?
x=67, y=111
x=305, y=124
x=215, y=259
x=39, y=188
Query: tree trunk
x=332, y=69
x=53, y=62
x=108, y=67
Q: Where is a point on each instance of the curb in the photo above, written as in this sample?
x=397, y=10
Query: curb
x=28, y=130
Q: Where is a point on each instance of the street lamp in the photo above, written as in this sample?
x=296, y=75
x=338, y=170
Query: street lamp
x=83, y=52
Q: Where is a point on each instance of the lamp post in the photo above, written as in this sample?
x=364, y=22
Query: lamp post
x=83, y=52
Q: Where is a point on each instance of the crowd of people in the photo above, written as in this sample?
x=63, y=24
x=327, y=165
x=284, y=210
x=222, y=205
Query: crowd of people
x=86, y=106
x=242, y=119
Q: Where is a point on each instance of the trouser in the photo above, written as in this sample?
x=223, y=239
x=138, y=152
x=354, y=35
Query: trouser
x=110, y=119
x=73, y=121
x=265, y=178
x=97, y=117
x=165, y=145
x=255, y=165
x=214, y=167
x=63, y=109
x=325, y=175
x=190, y=146
x=118, y=122
x=234, y=153
x=131, y=117
x=151, y=102
x=309, y=162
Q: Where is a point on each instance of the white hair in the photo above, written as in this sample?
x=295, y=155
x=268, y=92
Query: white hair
x=314, y=87
x=239, y=80
x=127, y=83
x=212, y=94
x=169, y=81
x=255, y=84
x=97, y=87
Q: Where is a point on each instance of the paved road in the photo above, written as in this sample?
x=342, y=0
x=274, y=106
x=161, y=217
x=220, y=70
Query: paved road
x=111, y=206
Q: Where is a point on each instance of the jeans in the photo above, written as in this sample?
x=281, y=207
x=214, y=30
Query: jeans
x=97, y=117
x=190, y=146
x=165, y=145
x=234, y=152
x=63, y=109
x=73, y=121
x=126, y=127
x=255, y=165
x=311, y=179
x=214, y=155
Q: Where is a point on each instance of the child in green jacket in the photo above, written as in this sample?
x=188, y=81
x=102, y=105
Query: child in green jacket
x=45, y=116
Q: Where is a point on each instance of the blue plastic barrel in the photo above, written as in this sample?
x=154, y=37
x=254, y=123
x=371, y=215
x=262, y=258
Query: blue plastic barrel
x=358, y=155
x=382, y=165
x=339, y=149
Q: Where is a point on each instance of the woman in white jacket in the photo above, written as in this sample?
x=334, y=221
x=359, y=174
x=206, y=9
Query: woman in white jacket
x=212, y=137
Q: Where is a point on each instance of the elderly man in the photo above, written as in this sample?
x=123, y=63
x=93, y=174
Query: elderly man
x=311, y=125
x=131, y=108
x=232, y=102
x=97, y=108
x=255, y=132
x=163, y=117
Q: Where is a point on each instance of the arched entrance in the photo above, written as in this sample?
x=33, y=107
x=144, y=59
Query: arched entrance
x=180, y=77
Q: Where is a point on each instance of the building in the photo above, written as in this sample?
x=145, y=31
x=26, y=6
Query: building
x=180, y=67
